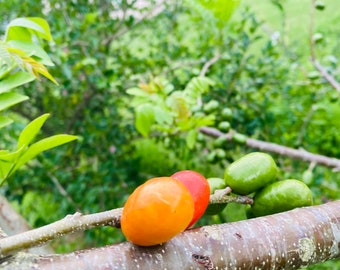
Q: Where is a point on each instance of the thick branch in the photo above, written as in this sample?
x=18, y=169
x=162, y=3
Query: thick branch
x=279, y=149
x=80, y=222
x=287, y=240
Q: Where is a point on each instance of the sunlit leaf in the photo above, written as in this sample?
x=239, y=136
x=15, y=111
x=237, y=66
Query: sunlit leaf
x=28, y=134
x=191, y=138
x=5, y=121
x=23, y=28
x=30, y=49
x=135, y=91
x=7, y=156
x=162, y=116
x=9, y=99
x=15, y=80
x=145, y=118
x=41, y=146
x=5, y=167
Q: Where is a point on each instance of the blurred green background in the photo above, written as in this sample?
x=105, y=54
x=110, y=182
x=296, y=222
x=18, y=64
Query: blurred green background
x=102, y=48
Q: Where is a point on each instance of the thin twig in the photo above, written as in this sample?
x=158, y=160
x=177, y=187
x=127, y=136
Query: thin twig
x=62, y=190
x=209, y=63
x=69, y=224
x=331, y=80
x=300, y=154
x=222, y=196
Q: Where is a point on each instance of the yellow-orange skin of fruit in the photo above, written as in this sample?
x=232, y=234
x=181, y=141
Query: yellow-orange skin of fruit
x=156, y=211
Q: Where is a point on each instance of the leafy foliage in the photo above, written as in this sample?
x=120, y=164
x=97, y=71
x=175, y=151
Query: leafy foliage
x=18, y=50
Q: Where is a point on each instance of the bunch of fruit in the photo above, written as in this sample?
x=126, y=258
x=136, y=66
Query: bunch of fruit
x=163, y=207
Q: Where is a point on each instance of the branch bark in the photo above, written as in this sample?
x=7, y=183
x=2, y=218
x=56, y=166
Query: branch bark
x=78, y=222
x=288, y=240
x=300, y=154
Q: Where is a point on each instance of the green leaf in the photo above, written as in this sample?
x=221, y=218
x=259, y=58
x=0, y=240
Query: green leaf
x=191, y=138
x=5, y=121
x=5, y=168
x=7, y=156
x=199, y=85
x=10, y=98
x=23, y=28
x=28, y=134
x=135, y=91
x=222, y=9
x=145, y=118
x=30, y=48
x=162, y=116
x=15, y=80
x=41, y=146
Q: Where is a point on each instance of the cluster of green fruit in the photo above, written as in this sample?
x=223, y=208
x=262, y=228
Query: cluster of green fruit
x=222, y=123
x=255, y=175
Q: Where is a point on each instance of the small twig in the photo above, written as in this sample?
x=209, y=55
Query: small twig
x=62, y=190
x=331, y=80
x=300, y=154
x=69, y=224
x=209, y=63
x=304, y=126
x=222, y=196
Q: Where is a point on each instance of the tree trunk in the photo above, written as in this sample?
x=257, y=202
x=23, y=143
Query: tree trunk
x=286, y=240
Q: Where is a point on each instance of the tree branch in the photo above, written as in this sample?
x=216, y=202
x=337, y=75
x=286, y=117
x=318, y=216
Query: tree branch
x=278, y=149
x=288, y=240
x=69, y=224
x=80, y=222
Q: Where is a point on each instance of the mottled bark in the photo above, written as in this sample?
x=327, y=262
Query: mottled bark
x=287, y=240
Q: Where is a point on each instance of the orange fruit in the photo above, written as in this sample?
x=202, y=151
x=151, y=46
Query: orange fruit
x=156, y=211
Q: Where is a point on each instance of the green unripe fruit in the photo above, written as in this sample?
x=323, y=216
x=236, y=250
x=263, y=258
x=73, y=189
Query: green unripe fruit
x=200, y=137
x=250, y=173
x=224, y=126
x=317, y=37
x=239, y=138
x=220, y=141
x=319, y=5
x=211, y=158
x=227, y=114
x=214, y=184
x=211, y=106
x=249, y=212
x=307, y=177
x=220, y=154
x=281, y=196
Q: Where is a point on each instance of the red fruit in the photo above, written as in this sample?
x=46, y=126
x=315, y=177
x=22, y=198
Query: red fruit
x=199, y=190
